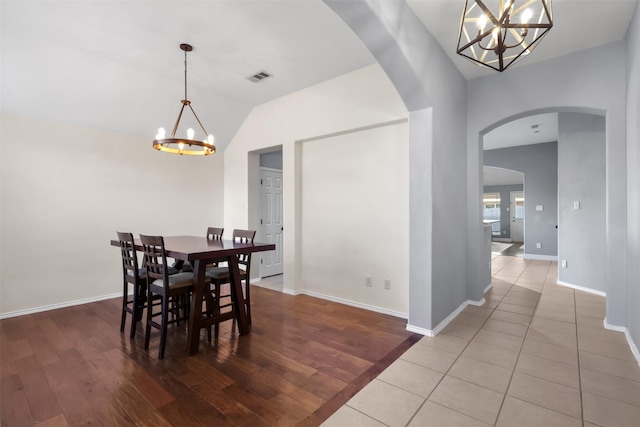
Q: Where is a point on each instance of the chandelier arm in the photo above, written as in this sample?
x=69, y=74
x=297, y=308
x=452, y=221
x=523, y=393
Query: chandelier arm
x=196, y=116
x=175, y=126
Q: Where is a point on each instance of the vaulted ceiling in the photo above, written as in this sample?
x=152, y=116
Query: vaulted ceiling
x=116, y=65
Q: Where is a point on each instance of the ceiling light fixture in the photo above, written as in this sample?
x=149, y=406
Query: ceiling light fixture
x=187, y=145
x=497, y=33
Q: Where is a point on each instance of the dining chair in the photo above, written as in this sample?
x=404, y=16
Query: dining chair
x=134, y=276
x=169, y=292
x=220, y=276
x=213, y=233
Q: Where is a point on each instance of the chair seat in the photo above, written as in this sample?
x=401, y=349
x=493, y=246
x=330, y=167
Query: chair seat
x=178, y=280
x=221, y=274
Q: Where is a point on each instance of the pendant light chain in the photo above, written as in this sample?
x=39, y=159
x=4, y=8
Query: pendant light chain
x=185, y=75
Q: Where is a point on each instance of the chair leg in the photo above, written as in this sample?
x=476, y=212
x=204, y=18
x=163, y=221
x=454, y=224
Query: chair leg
x=124, y=307
x=163, y=327
x=136, y=312
x=247, y=299
x=208, y=299
x=134, y=322
x=216, y=308
x=147, y=334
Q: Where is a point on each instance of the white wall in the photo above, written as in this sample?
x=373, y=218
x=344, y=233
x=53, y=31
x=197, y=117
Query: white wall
x=434, y=92
x=355, y=199
x=355, y=100
x=66, y=190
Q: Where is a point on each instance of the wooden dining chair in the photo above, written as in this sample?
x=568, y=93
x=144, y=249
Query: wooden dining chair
x=168, y=292
x=213, y=233
x=220, y=276
x=134, y=276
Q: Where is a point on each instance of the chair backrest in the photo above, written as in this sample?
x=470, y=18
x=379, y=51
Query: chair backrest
x=244, y=236
x=129, y=257
x=155, y=258
x=214, y=233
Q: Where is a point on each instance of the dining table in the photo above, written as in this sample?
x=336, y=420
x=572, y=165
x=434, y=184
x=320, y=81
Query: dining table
x=200, y=252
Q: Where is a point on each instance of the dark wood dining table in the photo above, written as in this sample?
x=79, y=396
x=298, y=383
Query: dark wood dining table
x=200, y=251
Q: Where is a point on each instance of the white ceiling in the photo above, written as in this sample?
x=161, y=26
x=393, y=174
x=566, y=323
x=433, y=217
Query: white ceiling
x=528, y=130
x=499, y=176
x=116, y=65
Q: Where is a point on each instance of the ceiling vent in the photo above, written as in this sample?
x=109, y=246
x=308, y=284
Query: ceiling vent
x=259, y=76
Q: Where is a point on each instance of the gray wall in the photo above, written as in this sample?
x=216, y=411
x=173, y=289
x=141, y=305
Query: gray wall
x=581, y=179
x=539, y=163
x=633, y=177
x=271, y=160
x=505, y=198
x=597, y=85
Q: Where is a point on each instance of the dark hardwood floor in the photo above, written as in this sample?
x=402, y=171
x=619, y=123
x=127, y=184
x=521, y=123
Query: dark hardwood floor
x=304, y=358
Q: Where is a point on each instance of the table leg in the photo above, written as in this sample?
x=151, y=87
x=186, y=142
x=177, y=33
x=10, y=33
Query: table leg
x=195, y=314
x=237, y=295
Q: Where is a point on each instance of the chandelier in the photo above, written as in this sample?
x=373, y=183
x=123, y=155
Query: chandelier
x=186, y=145
x=497, y=33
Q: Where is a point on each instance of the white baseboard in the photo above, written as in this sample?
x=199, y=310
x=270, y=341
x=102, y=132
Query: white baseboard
x=581, y=288
x=625, y=330
x=59, y=305
x=421, y=331
x=541, y=257
x=477, y=303
x=445, y=322
x=347, y=302
x=489, y=286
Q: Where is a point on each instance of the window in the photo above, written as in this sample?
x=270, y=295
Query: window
x=491, y=211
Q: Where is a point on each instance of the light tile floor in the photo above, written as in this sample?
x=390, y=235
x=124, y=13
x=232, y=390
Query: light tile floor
x=535, y=354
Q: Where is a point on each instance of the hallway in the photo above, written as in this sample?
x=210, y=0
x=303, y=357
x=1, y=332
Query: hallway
x=533, y=354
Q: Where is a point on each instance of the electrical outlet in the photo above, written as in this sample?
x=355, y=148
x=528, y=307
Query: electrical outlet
x=538, y=245
x=564, y=263
x=387, y=284
x=369, y=281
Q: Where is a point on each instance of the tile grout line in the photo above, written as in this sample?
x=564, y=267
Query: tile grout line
x=459, y=355
x=504, y=397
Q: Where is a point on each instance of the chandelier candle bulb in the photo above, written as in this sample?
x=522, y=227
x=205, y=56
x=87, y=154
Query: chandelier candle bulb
x=482, y=22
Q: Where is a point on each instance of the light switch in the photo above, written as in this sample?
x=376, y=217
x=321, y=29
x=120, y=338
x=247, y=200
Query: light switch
x=576, y=205
x=539, y=207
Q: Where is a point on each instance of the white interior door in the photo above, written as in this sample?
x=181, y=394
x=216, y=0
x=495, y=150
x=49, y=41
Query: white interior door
x=517, y=216
x=271, y=220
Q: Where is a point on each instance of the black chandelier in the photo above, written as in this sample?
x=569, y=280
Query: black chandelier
x=497, y=33
x=186, y=145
